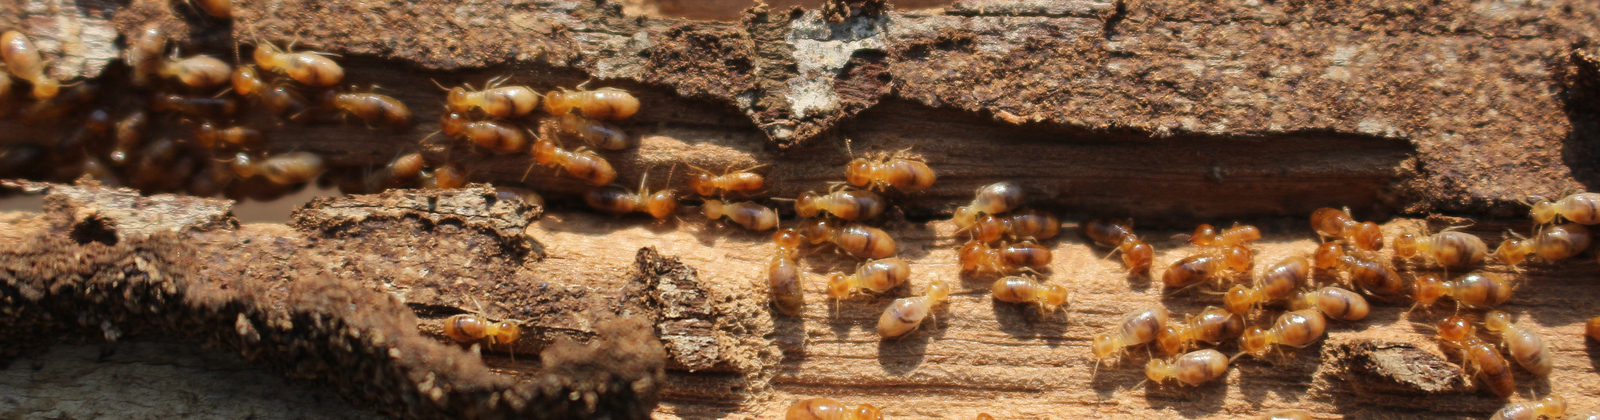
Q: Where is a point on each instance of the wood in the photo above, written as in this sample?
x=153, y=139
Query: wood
x=1169, y=112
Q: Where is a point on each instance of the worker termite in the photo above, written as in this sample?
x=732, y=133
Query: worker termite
x=469, y=328
x=1592, y=328
x=144, y=53
x=201, y=71
x=603, y=103
x=843, y=204
x=583, y=164
x=1212, y=325
x=449, y=176
x=1011, y=258
x=1295, y=329
x=1023, y=224
x=1551, y=243
x=307, y=68
x=1207, y=264
x=1206, y=236
x=1524, y=344
x=1369, y=275
x=23, y=61
x=493, y=135
x=826, y=409
x=1456, y=332
x=877, y=276
x=69, y=100
x=496, y=100
x=597, y=133
x=1449, y=248
x=891, y=171
x=996, y=198
x=370, y=107
x=1277, y=282
x=1334, y=302
x=1336, y=223
x=1478, y=290
x=1192, y=368
x=750, y=215
x=208, y=134
x=858, y=240
x=706, y=184
x=291, y=168
x=1136, y=254
x=1017, y=289
x=783, y=275
x=906, y=314
x=196, y=106
x=1580, y=208
x=1551, y=406
x=1137, y=327
x=1288, y=415
x=618, y=200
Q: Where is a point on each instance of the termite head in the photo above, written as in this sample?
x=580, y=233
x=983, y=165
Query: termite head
x=1454, y=328
x=838, y=285
x=459, y=100
x=1253, y=340
x=1426, y=289
x=858, y=172
x=1543, y=212
x=1406, y=246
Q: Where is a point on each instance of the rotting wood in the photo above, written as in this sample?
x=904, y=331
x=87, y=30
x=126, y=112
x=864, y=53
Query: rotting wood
x=728, y=354
x=1424, y=106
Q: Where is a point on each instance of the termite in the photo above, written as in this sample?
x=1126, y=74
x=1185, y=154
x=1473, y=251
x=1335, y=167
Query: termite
x=877, y=276
x=1551, y=243
x=843, y=204
x=706, y=184
x=1477, y=290
x=1207, y=236
x=858, y=240
x=201, y=71
x=1295, y=329
x=1136, y=254
x=209, y=135
x=976, y=256
x=305, y=67
x=493, y=135
x=1524, y=344
x=996, y=198
x=1337, y=223
x=1277, y=282
x=826, y=409
x=583, y=164
x=370, y=107
x=1456, y=332
x=1551, y=406
x=593, y=132
x=1137, y=327
x=1333, y=302
x=493, y=99
x=618, y=200
x=23, y=61
x=1017, y=289
x=1449, y=248
x=1193, y=368
x=1207, y=264
x=890, y=171
x=750, y=215
x=1212, y=325
x=906, y=314
x=604, y=103
x=1580, y=208
x=783, y=275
